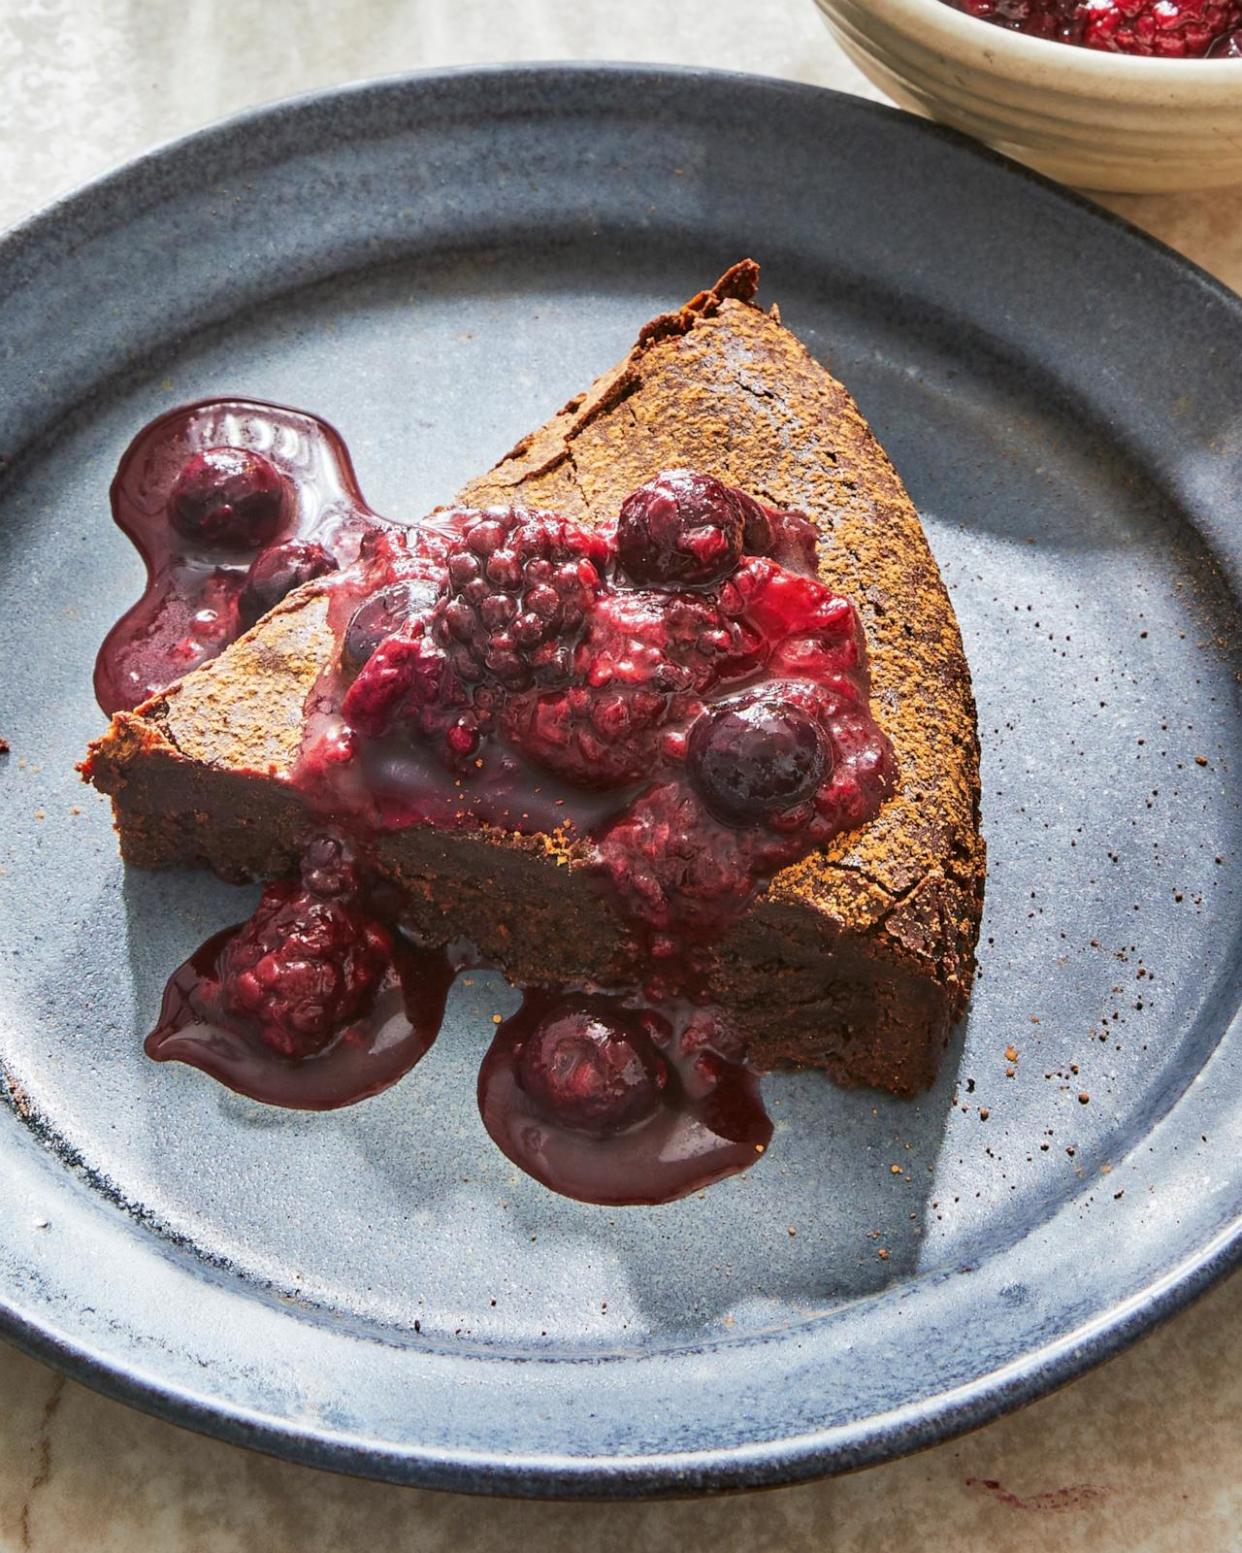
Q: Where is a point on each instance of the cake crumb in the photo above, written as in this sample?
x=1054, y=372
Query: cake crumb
x=882, y=1254
x=984, y=1113
x=1011, y=1054
x=1083, y=1097
x=4, y=746
x=497, y=1019
x=40, y=815
x=793, y=1229
x=895, y=1169
x=1201, y=760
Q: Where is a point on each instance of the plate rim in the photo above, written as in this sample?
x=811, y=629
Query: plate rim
x=785, y=1460
x=777, y=1463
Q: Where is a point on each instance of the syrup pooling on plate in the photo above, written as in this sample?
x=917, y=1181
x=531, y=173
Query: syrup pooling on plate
x=620, y=1104
x=674, y=695
x=230, y=503
x=315, y=1002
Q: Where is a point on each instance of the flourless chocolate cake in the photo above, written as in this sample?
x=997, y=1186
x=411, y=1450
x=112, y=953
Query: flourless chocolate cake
x=843, y=939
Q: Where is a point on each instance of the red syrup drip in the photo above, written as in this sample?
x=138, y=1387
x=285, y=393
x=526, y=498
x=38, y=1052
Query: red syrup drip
x=675, y=694
x=704, y=1118
x=368, y=1056
x=191, y=607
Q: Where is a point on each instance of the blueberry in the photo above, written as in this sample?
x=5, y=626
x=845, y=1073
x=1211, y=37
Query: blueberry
x=681, y=530
x=755, y=754
x=276, y=571
x=381, y=616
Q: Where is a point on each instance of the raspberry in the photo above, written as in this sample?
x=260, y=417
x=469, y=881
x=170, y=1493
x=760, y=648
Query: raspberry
x=801, y=626
x=303, y=968
x=519, y=589
x=228, y=498
x=674, y=868
x=643, y=663
x=592, y=1065
x=409, y=680
x=277, y=571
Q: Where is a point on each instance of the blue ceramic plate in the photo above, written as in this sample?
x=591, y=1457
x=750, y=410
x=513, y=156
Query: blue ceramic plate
x=435, y=264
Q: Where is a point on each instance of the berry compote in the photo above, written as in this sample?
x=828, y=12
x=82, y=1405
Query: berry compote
x=1161, y=29
x=315, y=1002
x=673, y=691
x=615, y=1103
x=231, y=504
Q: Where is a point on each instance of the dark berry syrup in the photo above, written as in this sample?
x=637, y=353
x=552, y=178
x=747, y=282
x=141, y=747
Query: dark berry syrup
x=617, y=1104
x=231, y=504
x=314, y=1002
x=674, y=695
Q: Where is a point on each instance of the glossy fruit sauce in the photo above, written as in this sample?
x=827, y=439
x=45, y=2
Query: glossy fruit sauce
x=674, y=692
x=1158, y=29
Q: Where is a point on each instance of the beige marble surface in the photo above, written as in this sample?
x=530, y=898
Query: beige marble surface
x=1142, y=1454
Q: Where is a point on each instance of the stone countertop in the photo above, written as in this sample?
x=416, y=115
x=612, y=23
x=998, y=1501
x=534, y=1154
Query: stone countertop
x=1143, y=1454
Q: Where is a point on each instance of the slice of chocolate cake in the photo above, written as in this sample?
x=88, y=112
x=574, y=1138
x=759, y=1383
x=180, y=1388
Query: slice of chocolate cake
x=858, y=957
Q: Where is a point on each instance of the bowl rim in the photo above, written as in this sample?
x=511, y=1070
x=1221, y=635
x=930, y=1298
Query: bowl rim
x=936, y=22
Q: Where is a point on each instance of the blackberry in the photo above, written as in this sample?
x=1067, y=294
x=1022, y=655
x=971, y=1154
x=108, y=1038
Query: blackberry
x=519, y=588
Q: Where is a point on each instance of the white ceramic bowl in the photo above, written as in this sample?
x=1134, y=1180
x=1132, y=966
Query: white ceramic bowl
x=1100, y=121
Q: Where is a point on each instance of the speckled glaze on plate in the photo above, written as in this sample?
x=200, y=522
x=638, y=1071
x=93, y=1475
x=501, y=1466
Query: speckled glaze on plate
x=434, y=264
